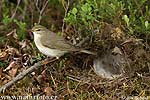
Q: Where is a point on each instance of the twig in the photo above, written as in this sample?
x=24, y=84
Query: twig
x=78, y=79
x=12, y=17
x=53, y=80
x=66, y=10
x=83, y=41
x=20, y=76
x=41, y=11
x=97, y=93
x=23, y=74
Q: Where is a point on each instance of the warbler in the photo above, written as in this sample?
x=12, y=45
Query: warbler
x=53, y=45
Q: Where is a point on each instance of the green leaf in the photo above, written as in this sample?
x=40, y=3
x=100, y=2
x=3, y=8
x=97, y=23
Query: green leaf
x=74, y=11
x=86, y=8
x=6, y=20
x=146, y=24
x=126, y=19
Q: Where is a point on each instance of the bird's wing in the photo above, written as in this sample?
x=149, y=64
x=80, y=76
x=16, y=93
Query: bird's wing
x=54, y=41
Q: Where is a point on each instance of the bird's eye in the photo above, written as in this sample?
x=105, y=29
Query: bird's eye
x=37, y=29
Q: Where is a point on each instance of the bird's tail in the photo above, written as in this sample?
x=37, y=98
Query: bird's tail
x=88, y=52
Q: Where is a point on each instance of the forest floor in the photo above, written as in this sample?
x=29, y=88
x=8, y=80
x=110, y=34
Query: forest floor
x=72, y=77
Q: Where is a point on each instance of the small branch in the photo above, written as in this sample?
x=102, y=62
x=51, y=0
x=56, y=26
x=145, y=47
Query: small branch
x=12, y=17
x=83, y=41
x=41, y=11
x=66, y=10
x=20, y=76
x=24, y=73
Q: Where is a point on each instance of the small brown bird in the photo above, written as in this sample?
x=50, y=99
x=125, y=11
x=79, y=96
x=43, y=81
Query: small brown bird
x=51, y=44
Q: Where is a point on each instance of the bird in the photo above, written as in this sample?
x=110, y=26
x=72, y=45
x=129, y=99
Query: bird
x=53, y=45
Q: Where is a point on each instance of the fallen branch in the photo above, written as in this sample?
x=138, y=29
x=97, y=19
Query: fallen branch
x=23, y=74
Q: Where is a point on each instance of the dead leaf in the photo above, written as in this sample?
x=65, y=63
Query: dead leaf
x=12, y=69
x=117, y=33
x=48, y=91
x=3, y=55
x=12, y=51
x=11, y=65
x=42, y=78
x=116, y=50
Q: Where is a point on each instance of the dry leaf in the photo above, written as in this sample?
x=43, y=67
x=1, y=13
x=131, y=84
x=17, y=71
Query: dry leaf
x=12, y=69
x=48, y=91
x=12, y=51
x=117, y=33
x=11, y=65
x=3, y=55
x=116, y=50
